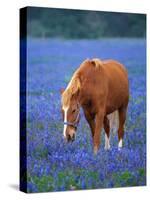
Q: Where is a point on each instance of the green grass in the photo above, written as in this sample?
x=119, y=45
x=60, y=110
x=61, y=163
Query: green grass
x=77, y=179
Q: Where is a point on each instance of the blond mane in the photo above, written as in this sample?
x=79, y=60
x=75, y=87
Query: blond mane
x=74, y=84
x=72, y=88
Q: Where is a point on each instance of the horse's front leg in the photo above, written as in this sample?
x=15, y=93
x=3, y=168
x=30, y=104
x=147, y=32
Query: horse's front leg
x=91, y=121
x=99, y=118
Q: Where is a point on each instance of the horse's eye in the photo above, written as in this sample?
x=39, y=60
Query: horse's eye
x=74, y=111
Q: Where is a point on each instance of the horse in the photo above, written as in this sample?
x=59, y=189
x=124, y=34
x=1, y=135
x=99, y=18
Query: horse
x=101, y=89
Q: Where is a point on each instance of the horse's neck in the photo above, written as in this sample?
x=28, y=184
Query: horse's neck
x=81, y=98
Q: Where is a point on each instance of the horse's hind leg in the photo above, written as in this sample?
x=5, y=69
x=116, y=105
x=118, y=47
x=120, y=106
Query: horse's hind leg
x=122, y=117
x=107, y=133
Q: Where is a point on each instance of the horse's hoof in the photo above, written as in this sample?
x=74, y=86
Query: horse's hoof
x=95, y=150
x=107, y=149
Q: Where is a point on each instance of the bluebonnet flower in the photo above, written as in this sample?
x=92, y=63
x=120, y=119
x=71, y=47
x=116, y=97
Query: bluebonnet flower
x=51, y=163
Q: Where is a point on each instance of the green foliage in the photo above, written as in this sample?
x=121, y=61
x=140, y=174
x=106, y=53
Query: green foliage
x=142, y=172
x=43, y=184
x=40, y=152
x=40, y=126
x=127, y=178
x=65, y=180
x=75, y=179
x=63, y=23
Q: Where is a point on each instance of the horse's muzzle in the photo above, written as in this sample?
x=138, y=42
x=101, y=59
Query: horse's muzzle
x=70, y=138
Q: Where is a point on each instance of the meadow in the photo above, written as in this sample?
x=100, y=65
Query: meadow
x=54, y=165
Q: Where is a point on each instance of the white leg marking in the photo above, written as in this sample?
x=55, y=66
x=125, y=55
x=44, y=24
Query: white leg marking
x=65, y=120
x=120, y=144
x=107, y=144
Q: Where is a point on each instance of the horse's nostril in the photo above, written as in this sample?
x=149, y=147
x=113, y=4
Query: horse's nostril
x=73, y=137
x=70, y=138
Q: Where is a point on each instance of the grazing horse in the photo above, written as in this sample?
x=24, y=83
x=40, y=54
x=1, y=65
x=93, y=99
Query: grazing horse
x=100, y=88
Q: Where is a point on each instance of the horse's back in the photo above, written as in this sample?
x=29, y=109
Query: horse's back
x=116, y=67
x=116, y=72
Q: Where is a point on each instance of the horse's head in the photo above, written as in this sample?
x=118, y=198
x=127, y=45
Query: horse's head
x=70, y=111
x=71, y=116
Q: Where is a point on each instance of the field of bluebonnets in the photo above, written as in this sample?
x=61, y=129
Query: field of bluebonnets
x=53, y=165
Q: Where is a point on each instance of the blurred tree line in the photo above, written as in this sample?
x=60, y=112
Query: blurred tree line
x=64, y=23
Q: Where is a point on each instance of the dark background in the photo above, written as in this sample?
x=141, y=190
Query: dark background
x=63, y=23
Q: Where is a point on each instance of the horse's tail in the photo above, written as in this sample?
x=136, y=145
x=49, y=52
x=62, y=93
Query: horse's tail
x=114, y=122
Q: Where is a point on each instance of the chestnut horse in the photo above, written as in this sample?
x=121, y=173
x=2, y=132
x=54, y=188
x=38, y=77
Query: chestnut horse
x=100, y=88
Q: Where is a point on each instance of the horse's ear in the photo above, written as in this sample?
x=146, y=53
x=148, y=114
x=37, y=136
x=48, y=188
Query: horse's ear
x=93, y=62
x=62, y=91
x=96, y=62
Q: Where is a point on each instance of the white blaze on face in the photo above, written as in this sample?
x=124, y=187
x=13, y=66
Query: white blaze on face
x=65, y=109
x=65, y=120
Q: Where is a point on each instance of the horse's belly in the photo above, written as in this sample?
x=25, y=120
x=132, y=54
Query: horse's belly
x=116, y=100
